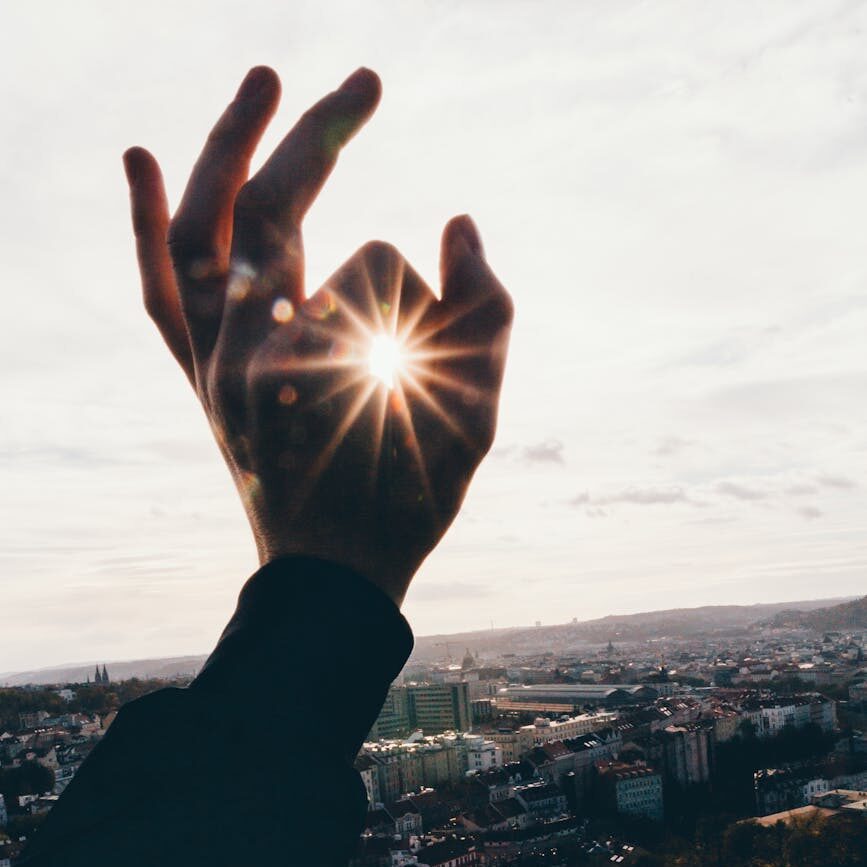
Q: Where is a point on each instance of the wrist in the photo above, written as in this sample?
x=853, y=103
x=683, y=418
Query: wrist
x=390, y=578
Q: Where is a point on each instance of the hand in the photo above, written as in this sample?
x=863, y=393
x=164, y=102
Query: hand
x=331, y=461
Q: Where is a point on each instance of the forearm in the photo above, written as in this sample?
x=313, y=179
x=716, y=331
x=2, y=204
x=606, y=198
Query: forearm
x=314, y=638
x=252, y=763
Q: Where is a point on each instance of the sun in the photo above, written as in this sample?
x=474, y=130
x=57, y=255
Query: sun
x=385, y=359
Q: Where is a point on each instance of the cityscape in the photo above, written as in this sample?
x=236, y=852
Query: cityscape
x=690, y=737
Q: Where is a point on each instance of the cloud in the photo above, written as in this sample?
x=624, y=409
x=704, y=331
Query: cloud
x=671, y=445
x=801, y=490
x=806, y=396
x=839, y=482
x=56, y=455
x=434, y=591
x=648, y=497
x=810, y=512
x=636, y=496
x=740, y=492
x=548, y=452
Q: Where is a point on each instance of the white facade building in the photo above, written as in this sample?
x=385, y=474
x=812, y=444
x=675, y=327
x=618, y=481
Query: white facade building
x=482, y=755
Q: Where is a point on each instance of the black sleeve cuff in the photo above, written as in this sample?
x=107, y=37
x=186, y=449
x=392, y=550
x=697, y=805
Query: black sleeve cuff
x=312, y=644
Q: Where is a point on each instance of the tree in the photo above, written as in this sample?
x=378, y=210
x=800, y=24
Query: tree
x=29, y=778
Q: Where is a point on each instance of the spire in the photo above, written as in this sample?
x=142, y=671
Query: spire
x=105, y=679
x=97, y=678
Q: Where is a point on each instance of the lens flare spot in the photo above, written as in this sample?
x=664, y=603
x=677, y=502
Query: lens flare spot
x=240, y=280
x=282, y=310
x=287, y=394
x=203, y=269
x=249, y=486
x=385, y=359
x=322, y=305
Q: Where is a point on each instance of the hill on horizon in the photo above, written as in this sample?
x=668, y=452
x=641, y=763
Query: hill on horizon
x=847, y=615
x=671, y=622
x=167, y=668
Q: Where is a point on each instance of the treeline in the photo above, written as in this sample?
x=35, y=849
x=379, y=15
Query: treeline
x=702, y=823
x=88, y=699
x=28, y=778
x=838, y=841
x=731, y=794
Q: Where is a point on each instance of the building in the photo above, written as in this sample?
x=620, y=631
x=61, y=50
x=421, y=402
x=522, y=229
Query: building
x=407, y=819
x=858, y=693
x=688, y=752
x=439, y=707
x=482, y=754
x=406, y=766
x=574, y=695
x=32, y=720
x=542, y=731
x=770, y=716
x=541, y=800
x=499, y=783
x=725, y=724
x=515, y=742
x=451, y=852
x=825, y=805
x=631, y=789
x=393, y=720
x=481, y=710
x=368, y=770
x=783, y=789
x=779, y=790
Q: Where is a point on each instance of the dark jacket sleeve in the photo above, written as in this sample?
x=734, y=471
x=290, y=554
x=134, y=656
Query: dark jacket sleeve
x=252, y=763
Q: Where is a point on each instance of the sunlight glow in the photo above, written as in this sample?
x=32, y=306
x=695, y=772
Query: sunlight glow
x=384, y=335
x=385, y=359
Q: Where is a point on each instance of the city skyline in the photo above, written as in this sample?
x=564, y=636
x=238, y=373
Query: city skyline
x=674, y=198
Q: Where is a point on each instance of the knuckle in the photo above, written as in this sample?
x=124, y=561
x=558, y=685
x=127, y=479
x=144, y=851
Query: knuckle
x=379, y=248
x=253, y=198
x=315, y=118
x=506, y=307
x=380, y=255
x=178, y=235
x=195, y=258
x=153, y=308
x=499, y=308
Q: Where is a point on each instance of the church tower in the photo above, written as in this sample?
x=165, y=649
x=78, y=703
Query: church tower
x=105, y=680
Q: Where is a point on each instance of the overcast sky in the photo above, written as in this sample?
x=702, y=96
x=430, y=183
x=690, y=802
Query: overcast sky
x=674, y=193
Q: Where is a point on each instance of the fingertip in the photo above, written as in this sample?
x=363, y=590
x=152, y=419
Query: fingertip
x=461, y=237
x=260, y=83
x=135, y=160
x=462, y=230
x=364, y=83
x=454, y=249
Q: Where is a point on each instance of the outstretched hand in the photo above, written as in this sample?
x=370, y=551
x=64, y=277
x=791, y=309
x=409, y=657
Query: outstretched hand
x=352, y=421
